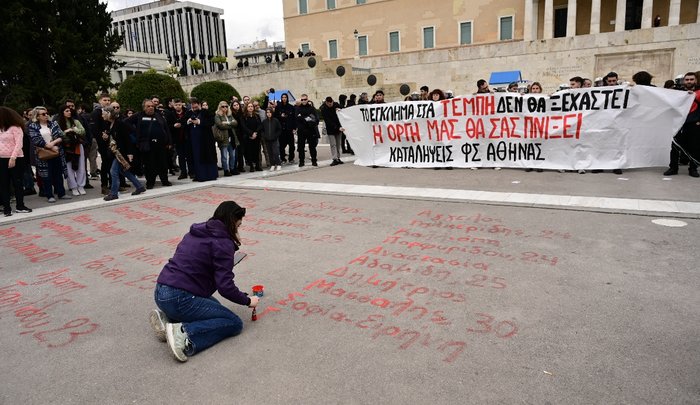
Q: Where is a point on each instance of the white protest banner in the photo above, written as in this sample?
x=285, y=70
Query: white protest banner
x=595, y=128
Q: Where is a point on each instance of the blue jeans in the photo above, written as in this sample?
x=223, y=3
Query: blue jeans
x=205, y=320
x=228, y=158
x=114, y=173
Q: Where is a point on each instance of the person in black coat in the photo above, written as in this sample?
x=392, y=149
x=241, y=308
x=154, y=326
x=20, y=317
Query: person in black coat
x=307, y=129
x=284, y=112
x=97, y=127
x=271, y=132
x=123, y=150
x=177, y=122
x=153, y=141
x=251, y=128
x=201, y=136
x=329, y=111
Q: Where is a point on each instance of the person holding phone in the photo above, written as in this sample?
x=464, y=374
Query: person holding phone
x=188, y=317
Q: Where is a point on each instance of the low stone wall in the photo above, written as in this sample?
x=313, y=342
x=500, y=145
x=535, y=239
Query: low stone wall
x=665, y=52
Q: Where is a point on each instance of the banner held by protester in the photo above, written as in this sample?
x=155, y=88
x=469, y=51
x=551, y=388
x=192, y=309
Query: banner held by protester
x=595, y=128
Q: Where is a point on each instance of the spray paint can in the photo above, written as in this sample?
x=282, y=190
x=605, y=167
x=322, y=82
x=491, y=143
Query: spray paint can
x=254, y=317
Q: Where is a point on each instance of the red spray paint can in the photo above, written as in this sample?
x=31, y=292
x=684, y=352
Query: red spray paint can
x=254, y=317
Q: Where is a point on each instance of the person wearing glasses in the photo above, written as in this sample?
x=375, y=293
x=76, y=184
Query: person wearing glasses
x=188, y=317
x=307, y=129
x=225, y=137
x=12, y=161
x=47, y=134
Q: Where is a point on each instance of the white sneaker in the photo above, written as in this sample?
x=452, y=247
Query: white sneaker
x=278, y=167
x=158, y=321
x=272, y=168
x=177, y=340
x=496, y=168
x=81, y=191
x=75, y=191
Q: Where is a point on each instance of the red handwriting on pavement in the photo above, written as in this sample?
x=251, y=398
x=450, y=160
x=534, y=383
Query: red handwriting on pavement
x=34, y=316
x=25, y=245
x=373, y=324
x=142, y=217
x=106, y=227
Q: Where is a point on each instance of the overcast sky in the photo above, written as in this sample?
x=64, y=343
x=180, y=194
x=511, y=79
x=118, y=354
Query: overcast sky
x=246, y=21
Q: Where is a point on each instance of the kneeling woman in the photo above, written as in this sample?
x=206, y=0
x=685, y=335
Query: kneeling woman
x=189, y=318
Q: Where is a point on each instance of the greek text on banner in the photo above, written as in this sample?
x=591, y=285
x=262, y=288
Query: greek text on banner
x=594, y=128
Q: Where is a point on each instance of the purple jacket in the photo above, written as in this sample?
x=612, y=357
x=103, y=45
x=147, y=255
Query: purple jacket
x=203, y=263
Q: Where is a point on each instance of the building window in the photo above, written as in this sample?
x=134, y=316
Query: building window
x=394, y=42
x=428, y=37
x=505, y=28
x=330, y=4
x=465, y=33
x=333, y=49
x=360, y=1
x=305, y=48
x=362, y=45
x=303, y=7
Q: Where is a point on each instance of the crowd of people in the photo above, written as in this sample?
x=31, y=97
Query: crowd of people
x=59, y=153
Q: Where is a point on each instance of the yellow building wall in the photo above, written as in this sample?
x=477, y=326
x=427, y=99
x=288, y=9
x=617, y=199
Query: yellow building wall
x=377, y=18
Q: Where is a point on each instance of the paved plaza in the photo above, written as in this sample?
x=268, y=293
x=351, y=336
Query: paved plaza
x=394, y=286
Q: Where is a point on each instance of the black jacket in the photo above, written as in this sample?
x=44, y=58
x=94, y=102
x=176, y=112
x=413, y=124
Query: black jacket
x=250, y=125
x=330, y=117
x=180, y=135
x=307, y=120
x=159, y=136
x=289, y=121
x=271, y=129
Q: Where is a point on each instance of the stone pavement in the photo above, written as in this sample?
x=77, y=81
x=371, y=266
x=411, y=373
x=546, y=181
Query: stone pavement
x=381, y=285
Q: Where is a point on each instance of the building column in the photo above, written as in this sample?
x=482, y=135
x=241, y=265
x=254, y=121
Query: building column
x=647, y=9
x=548, y=19
x=674, y=13
x=571, y=19
x=620, y=15
x=529, y=28
x=595, y=17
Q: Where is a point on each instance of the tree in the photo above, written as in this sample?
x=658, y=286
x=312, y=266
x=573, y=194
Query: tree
x=136, y=88
x=214, y=91
x=54, y=49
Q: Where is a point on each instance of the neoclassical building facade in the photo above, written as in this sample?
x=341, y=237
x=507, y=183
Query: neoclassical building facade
x=182, y=31
x=342, y=29
x=450, y=44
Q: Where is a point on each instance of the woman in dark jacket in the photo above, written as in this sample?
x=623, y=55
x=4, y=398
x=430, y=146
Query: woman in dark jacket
x=189, y=318
x=271, y=132
x=47, y=134
x=237, y=114
x=250, y=126
x=122, y=148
